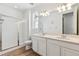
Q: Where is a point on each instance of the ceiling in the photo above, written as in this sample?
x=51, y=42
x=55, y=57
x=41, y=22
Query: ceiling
x=48, y=5
x=20, y=6
x=24, y=6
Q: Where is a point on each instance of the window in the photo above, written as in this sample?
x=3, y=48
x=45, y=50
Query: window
x=35, y=22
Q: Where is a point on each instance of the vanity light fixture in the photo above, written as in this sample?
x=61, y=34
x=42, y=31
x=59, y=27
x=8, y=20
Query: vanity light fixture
x=44, y=13
x=59, y=9
x=64, y=7
x=68, y=6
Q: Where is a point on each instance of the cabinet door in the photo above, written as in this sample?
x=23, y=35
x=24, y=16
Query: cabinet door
x=34, y=43
x=69, y=52
x=52, y=49
x=42, y=46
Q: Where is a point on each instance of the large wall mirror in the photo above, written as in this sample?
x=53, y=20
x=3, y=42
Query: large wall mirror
x=70, y=23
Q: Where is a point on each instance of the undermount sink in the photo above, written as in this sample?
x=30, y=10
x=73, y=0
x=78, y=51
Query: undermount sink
x=56, y=36
x=63, y=37
x=59, y=37
x=51, y=36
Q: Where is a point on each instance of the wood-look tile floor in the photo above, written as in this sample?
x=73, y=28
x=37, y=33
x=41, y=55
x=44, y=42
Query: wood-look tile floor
x=29, y=53
x=21, y=52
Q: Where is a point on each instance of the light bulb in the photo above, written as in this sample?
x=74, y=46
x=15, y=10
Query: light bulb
x=41, y=14
x=68, y=6
x=59, y=9
x=47, y=13
x=63, y=8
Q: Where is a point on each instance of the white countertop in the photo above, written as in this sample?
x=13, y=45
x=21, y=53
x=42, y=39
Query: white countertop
x=66, y=38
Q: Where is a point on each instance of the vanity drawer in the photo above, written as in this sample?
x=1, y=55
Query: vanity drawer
x=54, y=41
x=64, y=44
x=70, y=45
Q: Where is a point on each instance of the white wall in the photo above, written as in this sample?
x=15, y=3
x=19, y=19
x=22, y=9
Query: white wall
x=52, y=23
x=5, y=10
x=26, y=25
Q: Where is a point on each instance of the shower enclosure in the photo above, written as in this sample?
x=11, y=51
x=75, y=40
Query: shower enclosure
x=1, y=21
x=10, y=35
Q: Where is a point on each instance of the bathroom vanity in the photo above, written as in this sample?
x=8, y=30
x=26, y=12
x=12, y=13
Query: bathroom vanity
x=65, y=44
x=55, y=45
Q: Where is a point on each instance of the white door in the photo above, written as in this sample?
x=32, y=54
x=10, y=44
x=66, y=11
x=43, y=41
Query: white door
x=69, y=52
x=42, y=46
x=52, y=49
x=9, y=33
x=35, y=44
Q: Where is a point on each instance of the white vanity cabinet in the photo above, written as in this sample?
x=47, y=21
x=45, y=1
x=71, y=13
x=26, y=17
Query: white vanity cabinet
x=42, y=46
x=61, y=48
x=69, y=49
x=69, y=52
x=35, y=44
x=39, y=45
x=52, y=48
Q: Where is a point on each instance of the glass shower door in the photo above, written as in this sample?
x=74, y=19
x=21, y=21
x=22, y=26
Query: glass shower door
x=1, y=21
